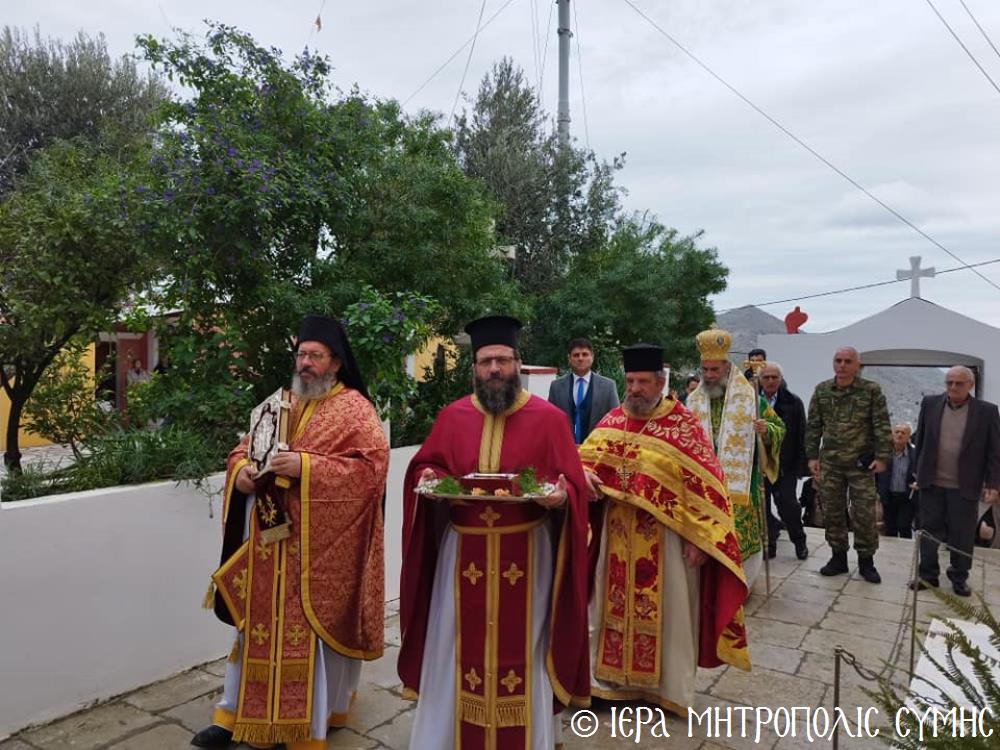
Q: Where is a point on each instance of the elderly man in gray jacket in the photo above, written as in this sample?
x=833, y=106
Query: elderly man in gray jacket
x=958, y=458
x=583, y=395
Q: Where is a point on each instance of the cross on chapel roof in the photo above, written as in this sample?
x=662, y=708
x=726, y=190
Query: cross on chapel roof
x=914, y=275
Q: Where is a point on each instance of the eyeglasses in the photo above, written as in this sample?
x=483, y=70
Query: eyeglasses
x=957, y=382
x=500, y=361
x=313, y=357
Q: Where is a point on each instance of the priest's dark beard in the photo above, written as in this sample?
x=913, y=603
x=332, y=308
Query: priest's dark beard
x=316, y=389
x=714, y=390
x=497, y=393
x=639, y=406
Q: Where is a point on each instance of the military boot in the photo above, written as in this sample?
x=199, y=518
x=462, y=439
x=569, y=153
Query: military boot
x=866, y=567
x=837, y=565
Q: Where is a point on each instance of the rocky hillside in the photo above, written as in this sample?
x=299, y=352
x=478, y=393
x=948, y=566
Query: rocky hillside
x=903, y=386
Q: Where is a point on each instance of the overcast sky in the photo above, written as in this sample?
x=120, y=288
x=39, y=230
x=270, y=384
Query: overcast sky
x=878, y=87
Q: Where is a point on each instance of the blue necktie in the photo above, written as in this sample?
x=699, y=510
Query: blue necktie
x=577, y=422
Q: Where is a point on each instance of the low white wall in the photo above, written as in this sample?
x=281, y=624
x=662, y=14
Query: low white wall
x=101, y=592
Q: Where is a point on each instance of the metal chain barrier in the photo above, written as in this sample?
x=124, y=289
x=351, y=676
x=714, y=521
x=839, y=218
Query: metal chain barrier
x=888, y=672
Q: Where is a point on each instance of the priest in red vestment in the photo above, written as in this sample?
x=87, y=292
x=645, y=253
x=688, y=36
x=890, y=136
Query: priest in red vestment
x=494, y=594
x=308, y=608
x=669, y=589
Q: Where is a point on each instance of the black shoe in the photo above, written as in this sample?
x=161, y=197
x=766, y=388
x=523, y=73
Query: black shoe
x=772, y=550
x=837, y=565
x=961, y=588
x=801, y=550
x=924, y=584
x=866, y=567
x=213, y=736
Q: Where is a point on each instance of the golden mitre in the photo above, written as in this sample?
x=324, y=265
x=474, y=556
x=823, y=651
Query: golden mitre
x=713, y=344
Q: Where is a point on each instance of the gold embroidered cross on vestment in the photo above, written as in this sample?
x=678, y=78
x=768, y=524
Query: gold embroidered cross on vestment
x=513, y=573
x=511, y=681
x=260, y=634
x=489, y=515
x=473, y=679
x=473, y=573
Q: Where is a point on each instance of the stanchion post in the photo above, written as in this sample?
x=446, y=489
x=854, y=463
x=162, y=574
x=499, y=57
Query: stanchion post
x=982, y=587
x=838, y=653
x=915, y=578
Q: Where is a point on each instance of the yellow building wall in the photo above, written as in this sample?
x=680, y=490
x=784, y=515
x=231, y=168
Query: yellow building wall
x=424, y=358
x=29, y=439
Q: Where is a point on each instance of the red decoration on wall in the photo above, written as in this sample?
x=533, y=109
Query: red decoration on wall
x=795, y=320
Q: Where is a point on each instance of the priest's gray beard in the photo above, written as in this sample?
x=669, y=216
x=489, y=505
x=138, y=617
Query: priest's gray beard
x=715, y=390
x=497, y=393
x=639, y=406
x=316, y=389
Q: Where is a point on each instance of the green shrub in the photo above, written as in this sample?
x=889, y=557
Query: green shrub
x=891, y=697
x=129, y=456
x=63, y=407
x=449, y=379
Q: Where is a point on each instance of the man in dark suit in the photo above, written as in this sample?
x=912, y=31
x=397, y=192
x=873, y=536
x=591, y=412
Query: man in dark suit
x=582, y=394
x=958, y=455
x=896, y=485
x=791, y=464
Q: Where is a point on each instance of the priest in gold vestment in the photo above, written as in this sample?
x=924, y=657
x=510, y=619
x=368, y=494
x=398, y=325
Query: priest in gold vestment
x=746, y=434
x=308, y=608
x=669, y=589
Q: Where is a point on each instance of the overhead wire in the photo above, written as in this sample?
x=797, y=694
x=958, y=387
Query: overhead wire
x=314, y=28
x=468, y=61
x=981, y=29
x=859, y=287
x=579, y=65
x=805, y=145
x=962, y=45
x=545, y=56
x=536, y=57
x=457, y=52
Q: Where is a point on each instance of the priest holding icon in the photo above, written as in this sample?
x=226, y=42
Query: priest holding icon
x=302, y=575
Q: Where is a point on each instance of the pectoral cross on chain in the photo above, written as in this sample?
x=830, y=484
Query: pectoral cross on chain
x=624, y=475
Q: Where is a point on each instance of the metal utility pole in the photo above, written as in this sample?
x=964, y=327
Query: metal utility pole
x=564, y=39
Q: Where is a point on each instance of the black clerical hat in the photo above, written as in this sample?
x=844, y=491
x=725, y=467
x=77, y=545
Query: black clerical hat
x=494, y=329
x=643, y=358
x=330, y=332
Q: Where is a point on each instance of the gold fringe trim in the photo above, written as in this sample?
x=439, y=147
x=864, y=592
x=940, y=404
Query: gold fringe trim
x=473, y=711
x=295, y=673
x=259, y=673
x=509, y=714
x=234, y=652
x=271, y=734
x=512, y=715
x=209, y=601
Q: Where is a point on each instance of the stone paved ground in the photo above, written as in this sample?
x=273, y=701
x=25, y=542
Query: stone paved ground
x=792, y=638
x=49, y=457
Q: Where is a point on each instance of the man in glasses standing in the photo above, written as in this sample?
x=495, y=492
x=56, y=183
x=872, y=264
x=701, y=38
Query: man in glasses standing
x=309, y=607
x=958, y=456
x=494, y=594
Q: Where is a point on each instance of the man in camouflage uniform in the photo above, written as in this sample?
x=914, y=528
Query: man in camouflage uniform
x=848, y=414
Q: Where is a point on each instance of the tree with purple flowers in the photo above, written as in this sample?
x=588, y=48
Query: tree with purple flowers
x=274, y=195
